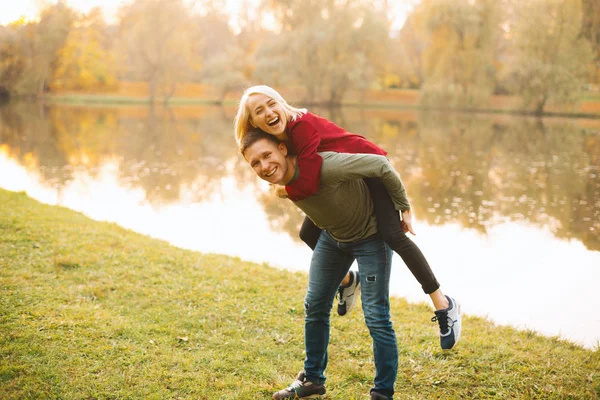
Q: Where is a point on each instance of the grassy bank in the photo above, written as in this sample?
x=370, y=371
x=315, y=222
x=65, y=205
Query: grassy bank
x=91, y=310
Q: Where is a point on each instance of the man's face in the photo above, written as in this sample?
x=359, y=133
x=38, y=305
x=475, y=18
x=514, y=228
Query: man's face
x=266, y=114
x=268, y=161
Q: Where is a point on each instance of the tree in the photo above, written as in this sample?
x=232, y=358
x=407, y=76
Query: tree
x=225, y=61
x=39, y=45
x=157, y=44
x=407, y=53
x=327, y=47
x=460, y=49
x=308, y=66
x=225, y=70
x=84, y=62
x=548, y=57
x=12, y=61
x=590, y=30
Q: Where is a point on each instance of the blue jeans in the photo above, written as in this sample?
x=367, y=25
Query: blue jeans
x=330, y=262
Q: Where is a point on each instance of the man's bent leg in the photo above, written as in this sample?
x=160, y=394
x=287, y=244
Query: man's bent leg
x=328, y=267
x=374, y=264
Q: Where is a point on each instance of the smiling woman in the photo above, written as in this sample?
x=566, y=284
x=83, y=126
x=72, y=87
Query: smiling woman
x=264, y=108
x=267, y=115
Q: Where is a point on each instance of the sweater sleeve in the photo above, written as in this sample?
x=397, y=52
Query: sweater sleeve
x=345, y=167
x=306, y=139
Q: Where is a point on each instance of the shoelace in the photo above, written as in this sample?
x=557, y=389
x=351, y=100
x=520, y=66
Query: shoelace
x=295, y=385
x=444, y=321
x=340, y=294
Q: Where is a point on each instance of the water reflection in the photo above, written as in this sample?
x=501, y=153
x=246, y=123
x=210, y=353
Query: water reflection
x=479, y=171
x=495, y=197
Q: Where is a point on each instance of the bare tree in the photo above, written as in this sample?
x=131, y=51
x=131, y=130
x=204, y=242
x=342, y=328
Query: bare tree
x=39, y=46
x=548, y=57
x=225, y=60
x=156, y=43
x=590, y=29
x=460, y=50
x=327, y=47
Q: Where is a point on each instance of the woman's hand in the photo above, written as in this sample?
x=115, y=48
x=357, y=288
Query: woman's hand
x=280, y=191
x=407, y=222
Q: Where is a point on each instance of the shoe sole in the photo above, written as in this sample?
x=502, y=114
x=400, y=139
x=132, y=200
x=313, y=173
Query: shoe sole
x=459, y=336
x=356, y=293
x=312, y=396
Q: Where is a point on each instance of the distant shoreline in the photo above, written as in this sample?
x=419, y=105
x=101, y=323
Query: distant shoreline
x=136, y=93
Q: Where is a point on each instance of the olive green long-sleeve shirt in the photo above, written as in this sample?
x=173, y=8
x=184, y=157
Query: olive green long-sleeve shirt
x=343, y=205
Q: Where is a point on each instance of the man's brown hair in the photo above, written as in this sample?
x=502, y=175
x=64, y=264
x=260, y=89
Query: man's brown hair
x=253, y=136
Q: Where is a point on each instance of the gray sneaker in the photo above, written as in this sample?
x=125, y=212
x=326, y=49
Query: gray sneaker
x=347, y=295
x=450, y=322
x=300, y=389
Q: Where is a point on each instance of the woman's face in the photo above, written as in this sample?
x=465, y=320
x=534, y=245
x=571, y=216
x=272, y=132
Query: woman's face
x=266, y=114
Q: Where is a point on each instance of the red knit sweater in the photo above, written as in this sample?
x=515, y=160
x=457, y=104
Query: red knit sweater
x=310, y=134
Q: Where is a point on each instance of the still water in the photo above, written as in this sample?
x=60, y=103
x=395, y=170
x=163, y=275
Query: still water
x=507, y=209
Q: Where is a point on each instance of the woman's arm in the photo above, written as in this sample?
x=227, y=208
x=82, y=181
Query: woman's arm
x=306, y=139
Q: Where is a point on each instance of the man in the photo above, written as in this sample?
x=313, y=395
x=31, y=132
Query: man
x=343, y=209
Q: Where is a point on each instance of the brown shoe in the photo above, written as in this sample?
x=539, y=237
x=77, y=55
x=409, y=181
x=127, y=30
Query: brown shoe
x=300, y=389
x=378, y=396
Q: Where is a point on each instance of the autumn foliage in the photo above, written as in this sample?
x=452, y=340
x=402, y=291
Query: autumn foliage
x=456, y=53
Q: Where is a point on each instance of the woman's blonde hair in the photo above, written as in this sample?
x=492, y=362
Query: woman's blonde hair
x=242, y=119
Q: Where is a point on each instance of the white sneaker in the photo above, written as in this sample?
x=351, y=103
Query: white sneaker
x=450, y=322
x=347, y=295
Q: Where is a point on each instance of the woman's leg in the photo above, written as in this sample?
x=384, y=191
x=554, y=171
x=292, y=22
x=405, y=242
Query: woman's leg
x=309, y=233
x=390, y=228
x=388, y=222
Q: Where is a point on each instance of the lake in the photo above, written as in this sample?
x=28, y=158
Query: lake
x=506, y=208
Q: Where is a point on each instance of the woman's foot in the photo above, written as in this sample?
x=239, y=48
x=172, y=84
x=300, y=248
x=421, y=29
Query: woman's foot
x=450, y=322
x=347, y=294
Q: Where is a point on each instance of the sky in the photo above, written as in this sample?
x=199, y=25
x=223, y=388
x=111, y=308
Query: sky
x=11, y=10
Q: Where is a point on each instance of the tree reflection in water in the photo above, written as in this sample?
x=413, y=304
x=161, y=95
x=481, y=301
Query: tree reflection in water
x=480, y=170
x=472, y=169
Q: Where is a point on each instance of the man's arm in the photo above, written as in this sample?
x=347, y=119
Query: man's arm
x=343, y=167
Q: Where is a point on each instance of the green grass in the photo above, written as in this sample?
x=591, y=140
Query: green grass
x=89, y=310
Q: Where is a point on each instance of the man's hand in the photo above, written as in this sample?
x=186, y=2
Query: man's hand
x=280, y=191
x=407, y=222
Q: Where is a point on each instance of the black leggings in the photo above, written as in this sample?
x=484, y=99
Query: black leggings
x=390, y=228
